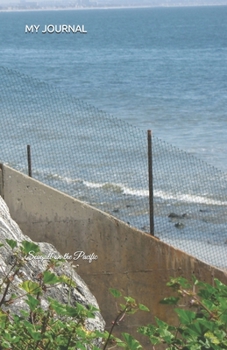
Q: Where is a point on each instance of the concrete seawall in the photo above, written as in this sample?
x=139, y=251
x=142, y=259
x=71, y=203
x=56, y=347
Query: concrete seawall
x=130, y=260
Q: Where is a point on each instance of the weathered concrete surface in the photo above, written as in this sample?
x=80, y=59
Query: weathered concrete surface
x=10, y=230
x=128, y=259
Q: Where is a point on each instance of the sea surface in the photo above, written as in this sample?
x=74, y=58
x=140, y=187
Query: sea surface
x=163, y=69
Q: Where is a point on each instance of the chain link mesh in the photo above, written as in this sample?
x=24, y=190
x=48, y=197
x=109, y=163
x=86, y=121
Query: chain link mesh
x=103, y=161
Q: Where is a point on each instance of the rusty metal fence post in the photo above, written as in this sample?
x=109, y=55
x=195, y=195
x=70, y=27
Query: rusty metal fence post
x=150, y=177
x=29, y=161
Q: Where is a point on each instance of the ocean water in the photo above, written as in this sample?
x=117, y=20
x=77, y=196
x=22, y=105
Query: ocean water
x=163, y=69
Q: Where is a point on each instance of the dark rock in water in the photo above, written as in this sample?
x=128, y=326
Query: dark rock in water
x=174, y=216
x=179, y=225
x=186, y=216
x=10, y=230
x=204, y=210
x=177, y=216
x=116, y=210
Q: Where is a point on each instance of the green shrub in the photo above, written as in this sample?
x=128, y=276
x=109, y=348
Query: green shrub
x=202, y=314
x=59, y=326
x=200, y=307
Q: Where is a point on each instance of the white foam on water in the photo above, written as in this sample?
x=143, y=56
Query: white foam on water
x=93, y=185
x=120, y=188
x=133, y=192
x=189, y=198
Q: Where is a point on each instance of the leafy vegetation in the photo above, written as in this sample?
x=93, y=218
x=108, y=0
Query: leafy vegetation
x=202, y=314
x=57, y=326
x=200, y=307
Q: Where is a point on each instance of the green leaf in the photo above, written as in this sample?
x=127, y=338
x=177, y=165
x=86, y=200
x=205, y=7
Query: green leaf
x=57, y=261
x=166, y=335
x=132, y=311
x=222, y=303
x=185, y=316
x=34, y=334
x=116, y=293
x=73, y=311
x=100, y=334
x=223, y=318
x=10, y=337
x=170, y=300
x=130, y=300
x=81, y=310
x=123, y=306
x=65, y=279
x=66, y=310
x=80, y=345
x=92, y=308
x=148, y=330
x=143, y=307
x=30, y=247
x=195, y=329
x=161, y=323
x=3, y=318
x=208, y=324
x=206, y=291
x=179, y=281
x=59, y=308
x=131, y=342
x=50, y=278
x=209, y=304
x=212, y=338
x=222, y=288
x=32, y=302
x=219, y=284
x=11, y=243
x=24, y=313
x=6, y=345
x=30, y=287
x=155, y=340
x=120, y=343
x=194, y=279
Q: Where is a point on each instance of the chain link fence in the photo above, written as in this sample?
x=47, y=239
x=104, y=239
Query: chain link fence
x=103, y=161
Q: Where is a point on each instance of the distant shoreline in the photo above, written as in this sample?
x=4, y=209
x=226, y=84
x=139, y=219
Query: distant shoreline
x=105, y=8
